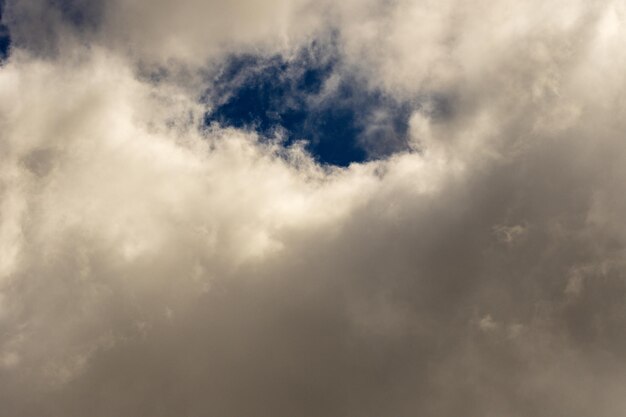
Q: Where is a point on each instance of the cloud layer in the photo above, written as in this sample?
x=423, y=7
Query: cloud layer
x=151, y=264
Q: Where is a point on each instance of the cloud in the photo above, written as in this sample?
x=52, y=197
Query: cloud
x=153, y=265
x=191, y=31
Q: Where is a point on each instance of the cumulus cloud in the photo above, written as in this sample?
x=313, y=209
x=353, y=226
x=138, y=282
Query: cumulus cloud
x=151, y=264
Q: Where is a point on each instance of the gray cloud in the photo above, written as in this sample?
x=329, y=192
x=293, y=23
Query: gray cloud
x=152, y=267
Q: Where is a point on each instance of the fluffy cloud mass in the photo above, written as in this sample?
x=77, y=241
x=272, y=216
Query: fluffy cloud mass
x=153, y=263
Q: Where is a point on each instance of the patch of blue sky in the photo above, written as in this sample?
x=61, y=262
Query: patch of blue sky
x=5, y=36
x=307, y=97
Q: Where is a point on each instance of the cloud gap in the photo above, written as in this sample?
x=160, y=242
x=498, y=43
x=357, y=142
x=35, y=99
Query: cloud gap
x=309, y=97
x=5, y=36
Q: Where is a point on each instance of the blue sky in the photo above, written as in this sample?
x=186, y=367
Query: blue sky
x=271, y=95
x=5, y=38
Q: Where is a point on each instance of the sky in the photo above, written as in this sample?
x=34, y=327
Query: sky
x=306, y=208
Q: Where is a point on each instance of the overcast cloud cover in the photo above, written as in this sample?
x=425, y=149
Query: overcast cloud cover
x=155, y=265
